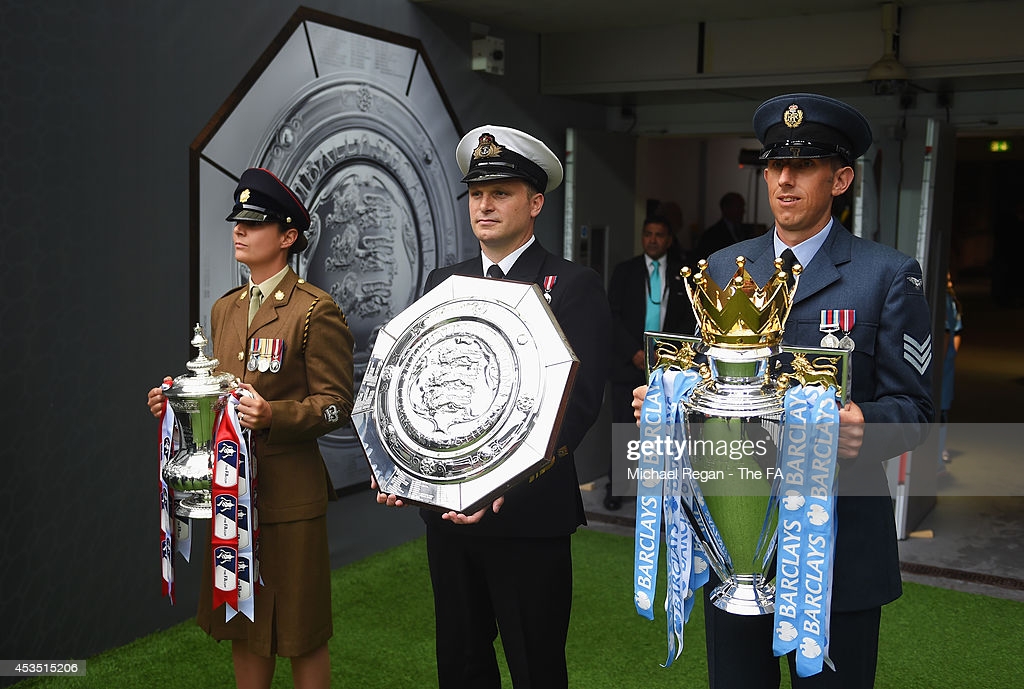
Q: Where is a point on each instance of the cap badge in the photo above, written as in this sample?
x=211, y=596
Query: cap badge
x=244, y=196
x=793, y=117
x=487, y=148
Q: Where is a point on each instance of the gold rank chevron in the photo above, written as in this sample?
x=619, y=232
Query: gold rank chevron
x=742, y=315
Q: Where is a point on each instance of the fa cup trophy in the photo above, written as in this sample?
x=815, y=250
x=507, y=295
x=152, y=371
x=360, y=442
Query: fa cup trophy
x=195, y=400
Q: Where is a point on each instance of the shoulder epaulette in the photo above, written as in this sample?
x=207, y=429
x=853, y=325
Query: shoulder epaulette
x=233, y=290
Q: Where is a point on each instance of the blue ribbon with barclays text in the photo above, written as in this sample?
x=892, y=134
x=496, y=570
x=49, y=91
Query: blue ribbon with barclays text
x=663, y=492
x=806, y=496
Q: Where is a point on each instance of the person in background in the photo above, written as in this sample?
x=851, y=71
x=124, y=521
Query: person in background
x=646, y=293
x=727, y=231
x=290, y=405
x=954, y=327
x=508, y=567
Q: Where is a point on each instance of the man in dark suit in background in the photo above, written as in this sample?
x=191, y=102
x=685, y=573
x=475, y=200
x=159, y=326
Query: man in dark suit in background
x=810, y=143
x=727, y=231
x=646, y=292
x=509, y=566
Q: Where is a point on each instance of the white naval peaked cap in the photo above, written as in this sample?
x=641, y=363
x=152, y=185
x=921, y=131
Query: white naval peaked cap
x=495, y=152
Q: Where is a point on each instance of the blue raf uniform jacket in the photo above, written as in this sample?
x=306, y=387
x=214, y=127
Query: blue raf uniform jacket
x=891, y=384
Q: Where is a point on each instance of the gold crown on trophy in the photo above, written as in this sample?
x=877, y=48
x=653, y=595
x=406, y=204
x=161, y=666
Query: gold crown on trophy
x=742, y=315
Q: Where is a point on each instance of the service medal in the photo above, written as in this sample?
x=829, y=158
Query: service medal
x=847, y=317
x=276, y=355
x=264, y=363
x=549, y=283
x=254, y=354
x=829, y=325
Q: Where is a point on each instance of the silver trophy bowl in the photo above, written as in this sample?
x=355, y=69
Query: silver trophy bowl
x=195, y=399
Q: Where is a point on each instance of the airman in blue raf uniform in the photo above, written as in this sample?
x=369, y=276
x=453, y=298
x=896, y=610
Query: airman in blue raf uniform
x=868, y=299
x=863, y=297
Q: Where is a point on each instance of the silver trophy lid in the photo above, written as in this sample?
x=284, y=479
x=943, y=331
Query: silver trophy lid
x=203, y=381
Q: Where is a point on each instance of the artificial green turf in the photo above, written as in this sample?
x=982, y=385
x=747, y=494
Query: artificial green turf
x=383, y=635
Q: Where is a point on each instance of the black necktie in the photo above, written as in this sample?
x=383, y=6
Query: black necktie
x=788, y=259
x=495, y=272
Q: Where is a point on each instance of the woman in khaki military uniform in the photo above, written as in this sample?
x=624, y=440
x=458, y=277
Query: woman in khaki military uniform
x=306, y=393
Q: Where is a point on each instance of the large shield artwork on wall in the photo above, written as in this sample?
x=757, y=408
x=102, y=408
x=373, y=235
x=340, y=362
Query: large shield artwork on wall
x=464, y=393
x=352, y=118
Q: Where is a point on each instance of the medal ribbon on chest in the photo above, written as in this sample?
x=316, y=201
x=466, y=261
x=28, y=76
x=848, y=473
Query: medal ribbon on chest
x=549, y=283
x=254, y=354
x=829, y=326
x=265, y=354
x=847, y=317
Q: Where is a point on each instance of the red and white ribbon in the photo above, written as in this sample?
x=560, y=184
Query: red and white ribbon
x=235, y=527
x=166, y=449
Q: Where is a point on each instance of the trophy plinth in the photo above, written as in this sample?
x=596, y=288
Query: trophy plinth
x=195, y=399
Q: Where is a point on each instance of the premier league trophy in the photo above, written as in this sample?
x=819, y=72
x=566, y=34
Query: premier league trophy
x=737, y=405
x=195, y=400
x=743, y=462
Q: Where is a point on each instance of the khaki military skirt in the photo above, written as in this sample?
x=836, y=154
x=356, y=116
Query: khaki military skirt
x=293, y=607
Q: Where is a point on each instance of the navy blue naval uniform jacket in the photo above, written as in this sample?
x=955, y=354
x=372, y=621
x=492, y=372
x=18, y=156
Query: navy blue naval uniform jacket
x=550, y=504
x=891, y=384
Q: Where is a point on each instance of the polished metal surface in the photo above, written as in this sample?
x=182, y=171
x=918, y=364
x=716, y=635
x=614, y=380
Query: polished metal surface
x=740, y=403
x=739, y=399
x=195, y=398
x=739, y=386
x=463, y=393
x=737, y=406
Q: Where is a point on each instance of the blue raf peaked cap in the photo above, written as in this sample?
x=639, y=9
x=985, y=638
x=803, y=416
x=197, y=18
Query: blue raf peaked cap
x=261, y=197
x=807, y=125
